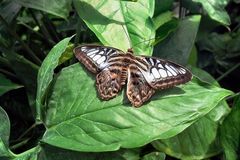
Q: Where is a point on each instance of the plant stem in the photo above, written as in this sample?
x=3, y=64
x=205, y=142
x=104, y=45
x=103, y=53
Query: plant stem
x=19, y=144
x=15, y=35
x=8, y=73
x=228, y=72
x=28, y=130
x=232, y=96
x=78, y=30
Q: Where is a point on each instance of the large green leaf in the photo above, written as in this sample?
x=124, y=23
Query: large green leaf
x=230, y=132
x=117, y=22
x=46, y=72
x=215, y=9
x=6, y=85
x=201, y=139
x=77, y=119
x=59, y=8
x=178, y=46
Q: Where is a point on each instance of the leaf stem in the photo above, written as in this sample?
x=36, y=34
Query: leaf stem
x=19, y=144
x=228, y=72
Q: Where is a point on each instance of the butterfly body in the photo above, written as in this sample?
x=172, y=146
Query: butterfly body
x=143, y=75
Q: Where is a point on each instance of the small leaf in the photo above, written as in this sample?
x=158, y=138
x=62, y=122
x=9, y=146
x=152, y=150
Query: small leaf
x=178, y=46
x=78, y=120
x=6, y=85
x=215, y=9
x=60, y=8
x=120, y=24
x=230, y=132
x=46, y=72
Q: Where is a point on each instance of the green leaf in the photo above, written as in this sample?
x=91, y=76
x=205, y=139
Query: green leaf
x=201, y=140
x=9, y=10
x=46, y=72
x=154, y=156
x=6, y=85
x=115, y=23
x=162, y=6
x=165, y=30
x=4, y=134
x=178, y=46
x=230, y=132
x=193, y=57
x=78, y=120
x=60, y=8
x=215, y=9
x=53, y=153
x=26, y=72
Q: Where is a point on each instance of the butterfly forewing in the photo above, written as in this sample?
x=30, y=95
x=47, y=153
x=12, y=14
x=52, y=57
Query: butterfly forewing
x=95, y=58
x=162, y=74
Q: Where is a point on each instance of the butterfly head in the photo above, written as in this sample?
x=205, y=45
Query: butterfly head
x=130, y=51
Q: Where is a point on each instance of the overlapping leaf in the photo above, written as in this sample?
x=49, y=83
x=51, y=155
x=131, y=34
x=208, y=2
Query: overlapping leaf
x=120, y=24
x=46, y=72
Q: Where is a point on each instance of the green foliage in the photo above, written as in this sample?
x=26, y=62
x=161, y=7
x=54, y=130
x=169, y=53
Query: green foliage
x=44, y=88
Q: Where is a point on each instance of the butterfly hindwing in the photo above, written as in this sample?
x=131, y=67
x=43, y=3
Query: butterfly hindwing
x=138, y=90
x=162, y=74
x=110, y=81
x=95, y=58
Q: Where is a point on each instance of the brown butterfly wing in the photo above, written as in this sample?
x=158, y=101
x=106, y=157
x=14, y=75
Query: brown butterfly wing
x=110, y=81
x=162, y=74
x=138, y=90
x=95, y=58
x=111, y=74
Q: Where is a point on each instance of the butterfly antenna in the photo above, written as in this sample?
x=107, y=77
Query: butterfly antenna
x=143, y=42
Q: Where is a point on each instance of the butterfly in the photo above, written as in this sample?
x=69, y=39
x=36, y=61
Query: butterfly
x=143, y=75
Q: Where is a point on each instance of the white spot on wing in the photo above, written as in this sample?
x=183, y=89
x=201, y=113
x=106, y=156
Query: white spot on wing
x=171, y=70
x=160, y=65
x=162, y=73
x=83, y=49
x=174, y=69
x=183, y=70
x=151, y=61
x=108, y=51
x=92, y=52
x=100, y=60
x=96, y=57
x=155, y=73
x=169, y=73
x=102, y=52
